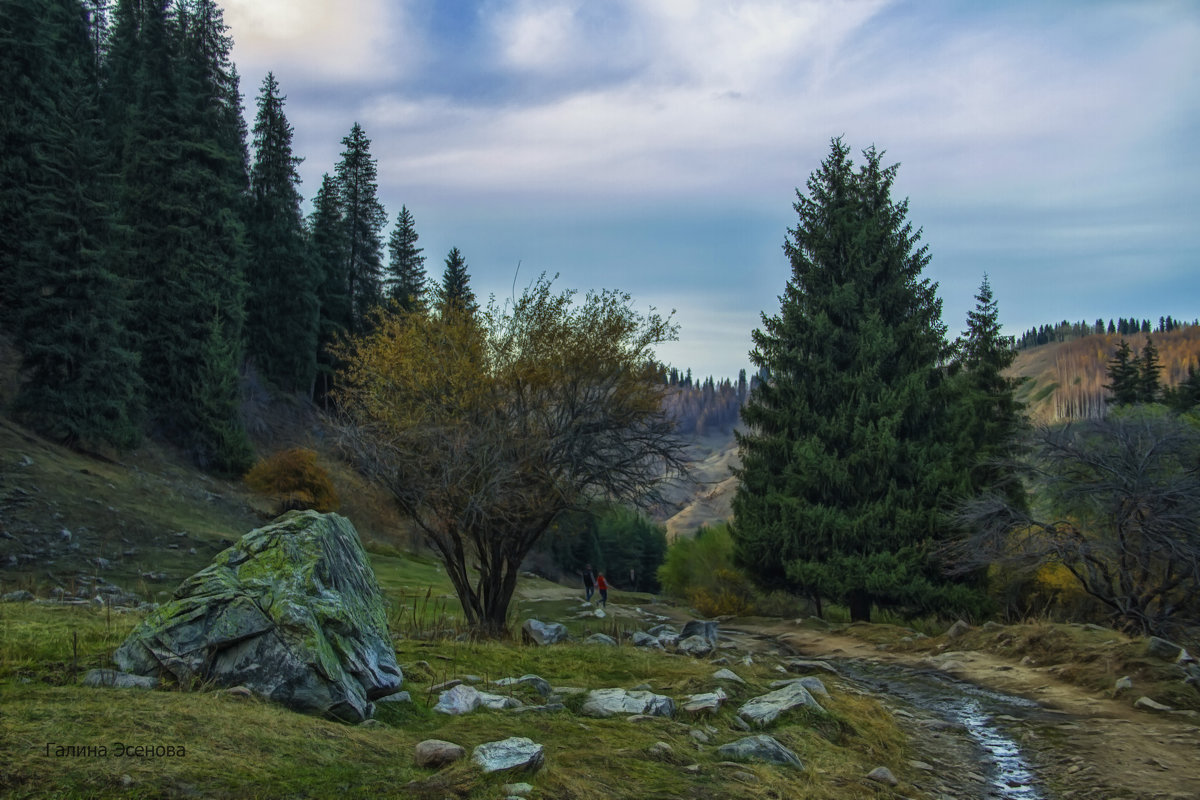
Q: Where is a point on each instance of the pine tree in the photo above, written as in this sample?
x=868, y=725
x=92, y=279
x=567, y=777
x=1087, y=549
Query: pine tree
x=1149, y=369
x=282, y=317
x=455, y=291
x=405, y=281
x=364, y=218
x=66, y=307
x=1124, y=374
x=327, y=253
x=845, y=462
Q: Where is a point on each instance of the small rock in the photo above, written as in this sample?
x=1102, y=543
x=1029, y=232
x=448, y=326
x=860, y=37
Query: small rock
x=728, y=675
x=19, y=596
x=702, y=628
x=1123, y=684
x=543, y=633
x=437, y=753
x=396, y=697
x=760, y=748
x=239, y=693
x=709, y=701
x=882, y=775
x=1146, y=704
x=114, y=679
x=1161, y=648
x=641, y=639
x=371, y=723
x=956, y=630
x=610, y=702
x=458, y=700
x=517, y=789
x=660, y=750
x=601, y=639
x=539, y=684
x=696, y=646
x=514, y=753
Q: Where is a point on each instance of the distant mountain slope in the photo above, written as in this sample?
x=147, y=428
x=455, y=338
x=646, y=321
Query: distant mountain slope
x=1065, y=380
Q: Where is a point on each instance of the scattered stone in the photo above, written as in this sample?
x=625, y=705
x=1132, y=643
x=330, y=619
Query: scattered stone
x=763, y=710
x=699, y=735
x=543, y=633
x=728, y=675
x=238, y=693
x=398, y=697
x=19, y=596
x=796, y=664
x=921, y=765
x=744, y=777
x=517, y=789
x=498, y=702
x=611, y=702
x=957, y=629
x=659, y=630
x=512, y=754
x=112, y=679
x=459, y=699
x=539, y=684
x=446, y=685
x=1146, y=704
x=548, y=707
x=641, y=639
x=1161, y=648
x=601, y=639
x=696, y=646
x=951, y=666
x=371, y=723
x=992, y=625
x=702, y=628
x=709, y=701
x=760, y=748
x=1123, y=684
x=882, y=775
x=812, y=683
x=437, y=753
x=292, y=611
x=660, y=750
x=740, y=724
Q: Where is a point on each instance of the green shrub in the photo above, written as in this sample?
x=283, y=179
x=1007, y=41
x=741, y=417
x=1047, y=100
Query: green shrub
x=295, y=479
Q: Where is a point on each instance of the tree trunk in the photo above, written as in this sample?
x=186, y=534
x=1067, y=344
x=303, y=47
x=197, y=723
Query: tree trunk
x=860, y=606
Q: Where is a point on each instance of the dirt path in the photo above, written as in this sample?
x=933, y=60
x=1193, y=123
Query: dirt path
x=1088, y=747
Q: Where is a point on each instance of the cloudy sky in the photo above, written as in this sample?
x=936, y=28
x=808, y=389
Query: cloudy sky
x=655, y=146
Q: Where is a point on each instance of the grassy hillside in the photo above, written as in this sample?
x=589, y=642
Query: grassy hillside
x=1065, y=380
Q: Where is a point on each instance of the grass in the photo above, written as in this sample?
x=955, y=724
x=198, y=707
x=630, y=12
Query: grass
x=248, y=748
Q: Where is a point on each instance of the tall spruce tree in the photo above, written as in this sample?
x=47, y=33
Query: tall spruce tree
x=455, y=291
x=327, y=253
x=364, y=218
x=1149, y=370
x=1124, y=375
x=176, y=134
x=66, y=308
x=281, y=315
x=845, y=460
x=406, y=280
x=990, y=418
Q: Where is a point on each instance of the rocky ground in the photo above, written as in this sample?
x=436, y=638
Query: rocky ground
x=1075, y=744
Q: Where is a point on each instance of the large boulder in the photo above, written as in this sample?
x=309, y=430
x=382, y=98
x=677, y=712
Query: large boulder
x=534, y=631
x=764, y=710
x=515, y=754
x=292, y=611
x=610, y=702
x=760, y=748
x=700, y=627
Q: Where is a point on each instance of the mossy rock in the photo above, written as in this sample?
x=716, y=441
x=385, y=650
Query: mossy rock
x=292, y=611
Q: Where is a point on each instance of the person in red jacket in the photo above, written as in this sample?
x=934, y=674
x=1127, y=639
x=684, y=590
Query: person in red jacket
x=602, y=586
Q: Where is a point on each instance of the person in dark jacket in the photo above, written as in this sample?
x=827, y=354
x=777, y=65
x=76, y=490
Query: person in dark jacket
x=589, y=583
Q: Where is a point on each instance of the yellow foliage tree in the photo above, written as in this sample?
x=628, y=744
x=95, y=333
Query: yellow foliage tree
x=486, y=426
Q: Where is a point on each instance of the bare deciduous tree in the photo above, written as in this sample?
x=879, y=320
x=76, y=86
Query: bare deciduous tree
x=1117, y=502
x=485, y=427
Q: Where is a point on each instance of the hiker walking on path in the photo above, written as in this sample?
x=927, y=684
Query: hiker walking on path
x=589, y=583
x=602, y=585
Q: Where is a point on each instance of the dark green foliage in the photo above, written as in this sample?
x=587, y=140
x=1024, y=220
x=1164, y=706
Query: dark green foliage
x=1185, y=396
x=282, y=316
x=990, y=419
x=623, y=544
x=176, y=135
x=455, y=291
x=363, y=217
x=847, y=462
x=405, y=279
x=1129, y=382
x=63, y=304
x=327, y=253
x=218, y=440
x=1149, y=369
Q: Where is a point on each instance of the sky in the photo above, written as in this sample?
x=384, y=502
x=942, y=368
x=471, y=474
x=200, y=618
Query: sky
x=656, y=146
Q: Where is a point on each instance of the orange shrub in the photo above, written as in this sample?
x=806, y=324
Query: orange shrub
x=295, y=479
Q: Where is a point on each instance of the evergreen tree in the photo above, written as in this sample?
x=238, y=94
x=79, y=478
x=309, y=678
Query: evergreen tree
x=1186, y=395
x=1125, y=377
x=455, y=290
x=282, y=318
x=327, y=253
x=65, y=306
x=364, y=218
x=1149, y=367
x=991, y=419
x=846, y=459
x=405, y=279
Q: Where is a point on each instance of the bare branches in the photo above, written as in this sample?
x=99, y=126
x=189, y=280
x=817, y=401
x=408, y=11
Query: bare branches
x=1122, y=496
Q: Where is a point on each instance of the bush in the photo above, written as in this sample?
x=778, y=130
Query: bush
x=701, y=571
x=295, y=479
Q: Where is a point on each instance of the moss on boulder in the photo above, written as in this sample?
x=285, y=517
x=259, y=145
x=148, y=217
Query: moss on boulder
x=292, y=611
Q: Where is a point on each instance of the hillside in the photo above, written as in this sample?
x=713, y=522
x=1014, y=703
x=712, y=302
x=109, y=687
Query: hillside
x=1065, y=380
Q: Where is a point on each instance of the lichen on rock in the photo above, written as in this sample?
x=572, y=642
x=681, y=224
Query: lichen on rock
x=293, y=611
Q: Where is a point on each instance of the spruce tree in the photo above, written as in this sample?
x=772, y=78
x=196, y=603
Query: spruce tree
x=67, y=309
x=455, y=291
x=1149, y=367
x=990, y=418
x=1125, y=377
x=364, y=218
x=327, y=253
x=282, y=316
x=846, y=461
x=405, y=281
